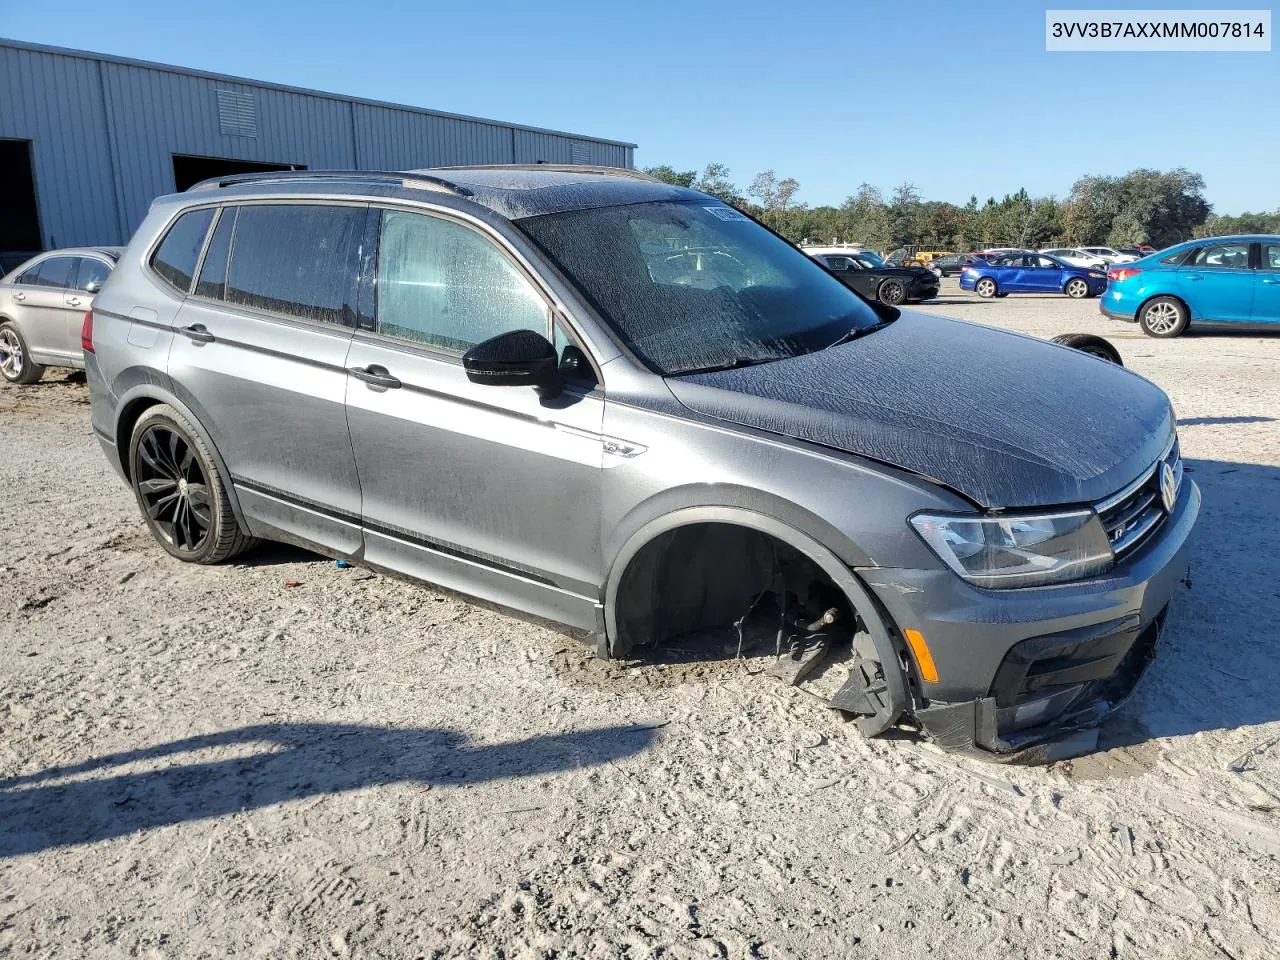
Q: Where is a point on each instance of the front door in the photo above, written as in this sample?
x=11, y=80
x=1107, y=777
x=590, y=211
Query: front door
x=260, y=354
x=1219, y=284
x=1266, y=293
x=492, y=491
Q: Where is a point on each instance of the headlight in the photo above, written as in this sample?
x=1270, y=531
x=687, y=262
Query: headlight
x=1018, y=551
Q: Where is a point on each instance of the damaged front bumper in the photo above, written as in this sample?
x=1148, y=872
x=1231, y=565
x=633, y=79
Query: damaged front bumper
x=1027, y=674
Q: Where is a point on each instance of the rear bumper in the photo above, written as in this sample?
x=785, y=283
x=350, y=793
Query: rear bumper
x=1027, y=674
x=1114, y=304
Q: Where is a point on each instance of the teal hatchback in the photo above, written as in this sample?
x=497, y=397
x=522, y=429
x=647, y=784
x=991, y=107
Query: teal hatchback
x=1218, y=280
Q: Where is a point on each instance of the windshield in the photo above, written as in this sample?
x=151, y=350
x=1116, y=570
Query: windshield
x=698, y=285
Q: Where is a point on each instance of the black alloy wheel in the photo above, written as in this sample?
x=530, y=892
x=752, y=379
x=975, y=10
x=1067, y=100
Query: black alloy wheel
x=173, y=488
x=892, y=292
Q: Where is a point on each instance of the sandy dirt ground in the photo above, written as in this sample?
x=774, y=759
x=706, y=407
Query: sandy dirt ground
x=209, y=762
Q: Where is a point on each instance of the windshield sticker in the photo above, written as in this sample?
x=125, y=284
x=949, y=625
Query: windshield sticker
x=725, y=213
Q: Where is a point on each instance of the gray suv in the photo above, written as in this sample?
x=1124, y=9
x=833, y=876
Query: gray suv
x=626, y=408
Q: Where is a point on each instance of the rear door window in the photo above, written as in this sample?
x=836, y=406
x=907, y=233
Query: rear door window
x=58, y=272
x=1271, y=256
x=298, y=260
x=1225, y=255
x=92, y=274
x=176, y=258
x=213, y=272
x=445, y=285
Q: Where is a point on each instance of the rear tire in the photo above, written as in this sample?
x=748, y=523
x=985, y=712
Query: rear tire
x=986, y=288
x=1093, y=345
x=182, y=494
x=892, y=292
x=16, y=364
x=1076, y=289
x=1163, y=318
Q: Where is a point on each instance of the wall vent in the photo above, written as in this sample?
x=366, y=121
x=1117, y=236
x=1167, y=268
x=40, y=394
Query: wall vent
x=237, y=113
x=581, y=152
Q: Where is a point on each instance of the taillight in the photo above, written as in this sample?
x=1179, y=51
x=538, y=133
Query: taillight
x=86, y=332
x=1122, y=273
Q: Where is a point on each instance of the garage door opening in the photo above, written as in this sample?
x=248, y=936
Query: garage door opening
x=19, y=219
x=191, y=170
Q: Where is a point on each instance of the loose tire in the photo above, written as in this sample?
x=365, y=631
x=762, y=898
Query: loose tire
x=1093, y=345
x=1163, y=318
x=1076, y=289
x=182, y=495
x=16, y=364
x=985, y=288
x=892, y=292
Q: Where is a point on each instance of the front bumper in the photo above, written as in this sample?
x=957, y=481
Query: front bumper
x=924, y=290
x=1022, y=672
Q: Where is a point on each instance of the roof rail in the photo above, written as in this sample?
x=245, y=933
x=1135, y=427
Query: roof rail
x=410, y=179
x=555, y=168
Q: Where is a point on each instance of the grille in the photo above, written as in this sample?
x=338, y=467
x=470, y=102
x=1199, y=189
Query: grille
x=1138, y=510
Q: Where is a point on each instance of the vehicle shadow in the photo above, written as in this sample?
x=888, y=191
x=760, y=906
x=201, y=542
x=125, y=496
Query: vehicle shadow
x=121, y=793
x=1215, y=664
x=1208, y=421
x=272, y=553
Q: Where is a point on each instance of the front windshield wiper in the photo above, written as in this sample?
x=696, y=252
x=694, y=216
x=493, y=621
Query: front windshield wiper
x=733, y=364
x=857, y=332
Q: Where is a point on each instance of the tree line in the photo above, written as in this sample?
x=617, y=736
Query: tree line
x=1142, y=206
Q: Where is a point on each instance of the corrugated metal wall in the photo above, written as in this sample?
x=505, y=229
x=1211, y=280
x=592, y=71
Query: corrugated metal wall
x=104, y=132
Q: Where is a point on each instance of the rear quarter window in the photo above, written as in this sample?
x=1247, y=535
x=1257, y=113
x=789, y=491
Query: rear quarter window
x=176, y=258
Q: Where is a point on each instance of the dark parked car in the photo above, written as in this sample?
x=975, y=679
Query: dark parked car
x=953, y=264
x=1032, y=273
x=891, y=285
x=627, y=408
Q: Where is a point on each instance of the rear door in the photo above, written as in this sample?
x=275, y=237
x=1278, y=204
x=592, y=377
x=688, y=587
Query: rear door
x=488, y=490
x=260, y=354
x=1218, y=282
x=1266, y=292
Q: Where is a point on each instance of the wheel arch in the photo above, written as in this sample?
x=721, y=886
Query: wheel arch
x=135, y=402
x=861, y=599
x=1191, y=314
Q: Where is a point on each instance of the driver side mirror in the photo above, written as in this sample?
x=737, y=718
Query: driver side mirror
x=518, y=358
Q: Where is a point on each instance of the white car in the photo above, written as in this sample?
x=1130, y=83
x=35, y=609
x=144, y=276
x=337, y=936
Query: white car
x=1077, y=257
x=1110, y=255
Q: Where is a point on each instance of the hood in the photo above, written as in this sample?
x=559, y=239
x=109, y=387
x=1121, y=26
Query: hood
x=1006, y=420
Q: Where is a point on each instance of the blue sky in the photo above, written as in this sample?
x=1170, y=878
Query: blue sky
x=958, y=98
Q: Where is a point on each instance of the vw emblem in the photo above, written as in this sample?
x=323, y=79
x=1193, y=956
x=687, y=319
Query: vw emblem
x=1168, y=487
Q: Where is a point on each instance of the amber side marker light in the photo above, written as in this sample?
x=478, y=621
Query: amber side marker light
x=924, y=659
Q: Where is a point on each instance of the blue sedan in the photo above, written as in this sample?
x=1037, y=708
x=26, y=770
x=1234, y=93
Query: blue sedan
x=1032, y=273
x=1231, y=280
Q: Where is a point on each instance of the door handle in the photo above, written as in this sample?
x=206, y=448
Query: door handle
x=1271, y=283
x=375, y=376
x=198, y=333
x=19, y=296
x=73, y=301
x=1192, y=276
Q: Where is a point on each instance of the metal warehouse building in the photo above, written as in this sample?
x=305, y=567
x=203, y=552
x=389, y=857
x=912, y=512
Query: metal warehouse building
x=87, y=141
